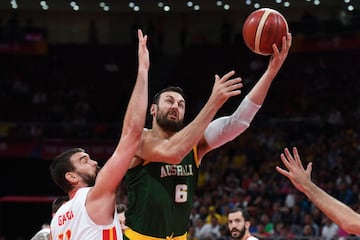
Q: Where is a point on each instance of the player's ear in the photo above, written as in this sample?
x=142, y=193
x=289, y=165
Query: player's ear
x=153, y=109
x=70, y=177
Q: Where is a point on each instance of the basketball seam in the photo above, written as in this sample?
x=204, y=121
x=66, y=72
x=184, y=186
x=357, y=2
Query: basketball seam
x=260, y=29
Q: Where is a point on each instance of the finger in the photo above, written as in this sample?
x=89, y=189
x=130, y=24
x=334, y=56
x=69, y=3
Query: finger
x=275, y=50
x=282, y=171
x=144, y=40
x=233, y=93
x=228, y=75
x=309, y=168
x=297, y=156
x=289, y=39
x=288, y=155
x=284, y=43
x=233, y=81
x=285, y=161
x=235, y=86
x=217, y=78
x=140, y=34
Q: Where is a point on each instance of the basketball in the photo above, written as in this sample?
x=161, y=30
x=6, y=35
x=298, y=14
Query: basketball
x=262, y=28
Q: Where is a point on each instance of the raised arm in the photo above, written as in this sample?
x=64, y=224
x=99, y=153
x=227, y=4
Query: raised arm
x=174, y=149
x=337, y=211
x=259, y=91
x=115, y=168
x=225, y=129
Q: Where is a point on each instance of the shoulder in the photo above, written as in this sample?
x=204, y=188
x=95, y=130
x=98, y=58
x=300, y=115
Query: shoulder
x=252, y=238
x=43, y=234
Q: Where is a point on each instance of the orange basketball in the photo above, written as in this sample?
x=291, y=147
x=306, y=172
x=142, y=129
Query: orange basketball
x=262, y=28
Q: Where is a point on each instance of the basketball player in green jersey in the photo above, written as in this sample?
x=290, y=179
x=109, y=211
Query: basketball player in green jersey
x=162, y=176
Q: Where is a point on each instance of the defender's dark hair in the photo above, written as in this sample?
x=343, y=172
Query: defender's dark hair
x=168, y=89
x=244, y=212
x=60, y=166
x=58, y=202
x=120, y=208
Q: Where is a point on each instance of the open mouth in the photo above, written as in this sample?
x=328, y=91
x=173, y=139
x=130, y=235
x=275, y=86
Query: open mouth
x=172, y=115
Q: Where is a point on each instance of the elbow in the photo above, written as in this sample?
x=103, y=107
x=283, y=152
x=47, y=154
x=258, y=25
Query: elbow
x=169, y=156
x=177, y=160
x=173, y=159
x=133, y=128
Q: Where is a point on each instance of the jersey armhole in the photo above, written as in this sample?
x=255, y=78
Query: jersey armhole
x=196, y=158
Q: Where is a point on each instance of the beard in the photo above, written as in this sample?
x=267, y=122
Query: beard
x=167, y=124
x=240, y=235
x=88, y=178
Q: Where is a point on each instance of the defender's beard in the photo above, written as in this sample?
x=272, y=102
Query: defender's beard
x=241, y=234
x=90, y=179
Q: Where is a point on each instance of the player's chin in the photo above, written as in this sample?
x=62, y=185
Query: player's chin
x=235, y=234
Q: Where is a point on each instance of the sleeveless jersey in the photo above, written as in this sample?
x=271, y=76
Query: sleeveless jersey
x=160, y=197
x=72, y=222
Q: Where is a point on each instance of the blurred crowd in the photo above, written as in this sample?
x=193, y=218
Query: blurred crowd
x=314, y=105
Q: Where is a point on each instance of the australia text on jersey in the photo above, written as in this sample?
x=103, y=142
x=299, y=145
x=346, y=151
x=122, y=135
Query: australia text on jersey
x=176, y=170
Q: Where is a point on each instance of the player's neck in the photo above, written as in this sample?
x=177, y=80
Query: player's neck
x=160, y=132
x=247, y=236
x=72, y=192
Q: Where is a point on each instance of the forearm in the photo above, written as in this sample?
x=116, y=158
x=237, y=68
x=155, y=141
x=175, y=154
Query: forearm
x=258, y=93
x=225, y=129
x=183, y=141
x=135, y=115
x=337, y=211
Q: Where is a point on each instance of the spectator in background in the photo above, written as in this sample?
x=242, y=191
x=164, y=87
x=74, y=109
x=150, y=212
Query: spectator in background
x=211, y=231
x=212, y=213
x=239, y=224
x=44, y=233
x=199, y=224
x=308, y=220
x=194, y=215
x=329, y=230
x=308, y=233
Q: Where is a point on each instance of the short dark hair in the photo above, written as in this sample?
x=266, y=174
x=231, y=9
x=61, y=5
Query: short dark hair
x=60, y=166
x=120, y=208
x=168, y=89
x=58, y=202
x=244, y=212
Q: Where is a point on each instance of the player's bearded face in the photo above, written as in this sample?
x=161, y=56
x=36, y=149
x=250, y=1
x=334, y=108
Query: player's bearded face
x=88, y=178
x=167, y=123
x=238, y=233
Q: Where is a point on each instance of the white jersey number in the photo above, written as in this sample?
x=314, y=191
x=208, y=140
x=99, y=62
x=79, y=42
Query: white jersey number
x=181, y=194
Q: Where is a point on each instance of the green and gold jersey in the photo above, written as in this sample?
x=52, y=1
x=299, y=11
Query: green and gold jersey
x=161, y=196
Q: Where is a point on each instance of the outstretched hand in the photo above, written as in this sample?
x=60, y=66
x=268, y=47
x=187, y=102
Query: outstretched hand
x=278, y=57
x=224, y=88
x=143, y=52
x=295, y=172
